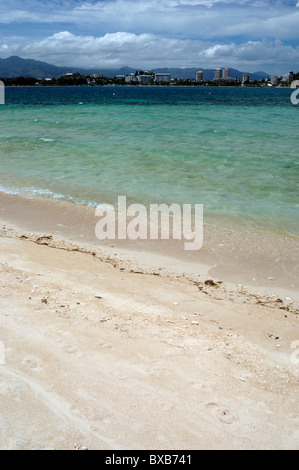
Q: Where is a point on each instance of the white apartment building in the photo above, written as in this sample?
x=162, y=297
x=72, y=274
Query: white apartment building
x=245, y=78
x=218, y=74
x=226, y=74
x=130, y=78
x=199, y=76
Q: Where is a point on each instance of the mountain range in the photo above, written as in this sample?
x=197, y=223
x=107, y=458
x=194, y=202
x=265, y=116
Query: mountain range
x=15, y=66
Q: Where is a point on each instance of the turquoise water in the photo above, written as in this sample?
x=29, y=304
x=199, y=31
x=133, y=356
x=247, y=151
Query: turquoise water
x=233, y=150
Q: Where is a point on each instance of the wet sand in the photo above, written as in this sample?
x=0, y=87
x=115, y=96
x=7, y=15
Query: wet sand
x=265, y=262
x=113, y=347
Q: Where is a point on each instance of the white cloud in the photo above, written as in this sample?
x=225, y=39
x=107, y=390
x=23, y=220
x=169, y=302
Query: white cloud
x=143, y=5
x=18, y=16
x=153, y=51
x=206, y=33
x=201, y=19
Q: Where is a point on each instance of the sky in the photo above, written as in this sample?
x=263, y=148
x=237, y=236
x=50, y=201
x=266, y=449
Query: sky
x=249, y=35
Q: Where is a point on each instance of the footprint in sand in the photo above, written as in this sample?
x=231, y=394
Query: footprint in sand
x=223, y=414
x=22, y=320
x=32, y=362
x=104, y=345
x=202, y=386
x=11, y=387
x=69, y=349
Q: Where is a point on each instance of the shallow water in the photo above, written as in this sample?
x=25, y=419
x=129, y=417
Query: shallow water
x=233, y=150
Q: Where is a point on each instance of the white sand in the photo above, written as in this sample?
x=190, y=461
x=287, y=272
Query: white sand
x=100, y=356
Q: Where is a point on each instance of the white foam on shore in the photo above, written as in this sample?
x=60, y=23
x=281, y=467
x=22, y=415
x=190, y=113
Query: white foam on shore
x=6, y=190
x=31, y=193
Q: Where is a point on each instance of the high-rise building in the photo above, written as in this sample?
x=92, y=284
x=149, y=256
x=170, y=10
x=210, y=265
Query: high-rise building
x=218, y=74
x=226, y=74
x=288, y=77
x=199, y=76
x=274, y=80
x=245, y=78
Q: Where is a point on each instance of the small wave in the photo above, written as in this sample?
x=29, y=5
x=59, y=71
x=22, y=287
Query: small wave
x=31, y=193
x=6, y=190
x=46, y=140
x=105, y=207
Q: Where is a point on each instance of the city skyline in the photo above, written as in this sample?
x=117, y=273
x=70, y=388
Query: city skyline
x=15, y=66
x=252, y=36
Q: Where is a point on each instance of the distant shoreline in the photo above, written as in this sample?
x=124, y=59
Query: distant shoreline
x=146, y=86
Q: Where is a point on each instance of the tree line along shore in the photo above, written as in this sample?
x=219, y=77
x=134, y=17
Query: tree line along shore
x=77, y=79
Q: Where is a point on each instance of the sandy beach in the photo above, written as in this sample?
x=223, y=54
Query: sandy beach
x=110, y=349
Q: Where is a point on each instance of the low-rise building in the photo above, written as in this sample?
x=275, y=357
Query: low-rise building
x=162, y=77
x=130, y=78
x=144, y=78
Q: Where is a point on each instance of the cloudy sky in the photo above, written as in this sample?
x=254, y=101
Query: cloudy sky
x=250, y=35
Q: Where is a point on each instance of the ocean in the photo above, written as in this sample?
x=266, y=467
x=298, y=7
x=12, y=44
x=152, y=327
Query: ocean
x=234, y=150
